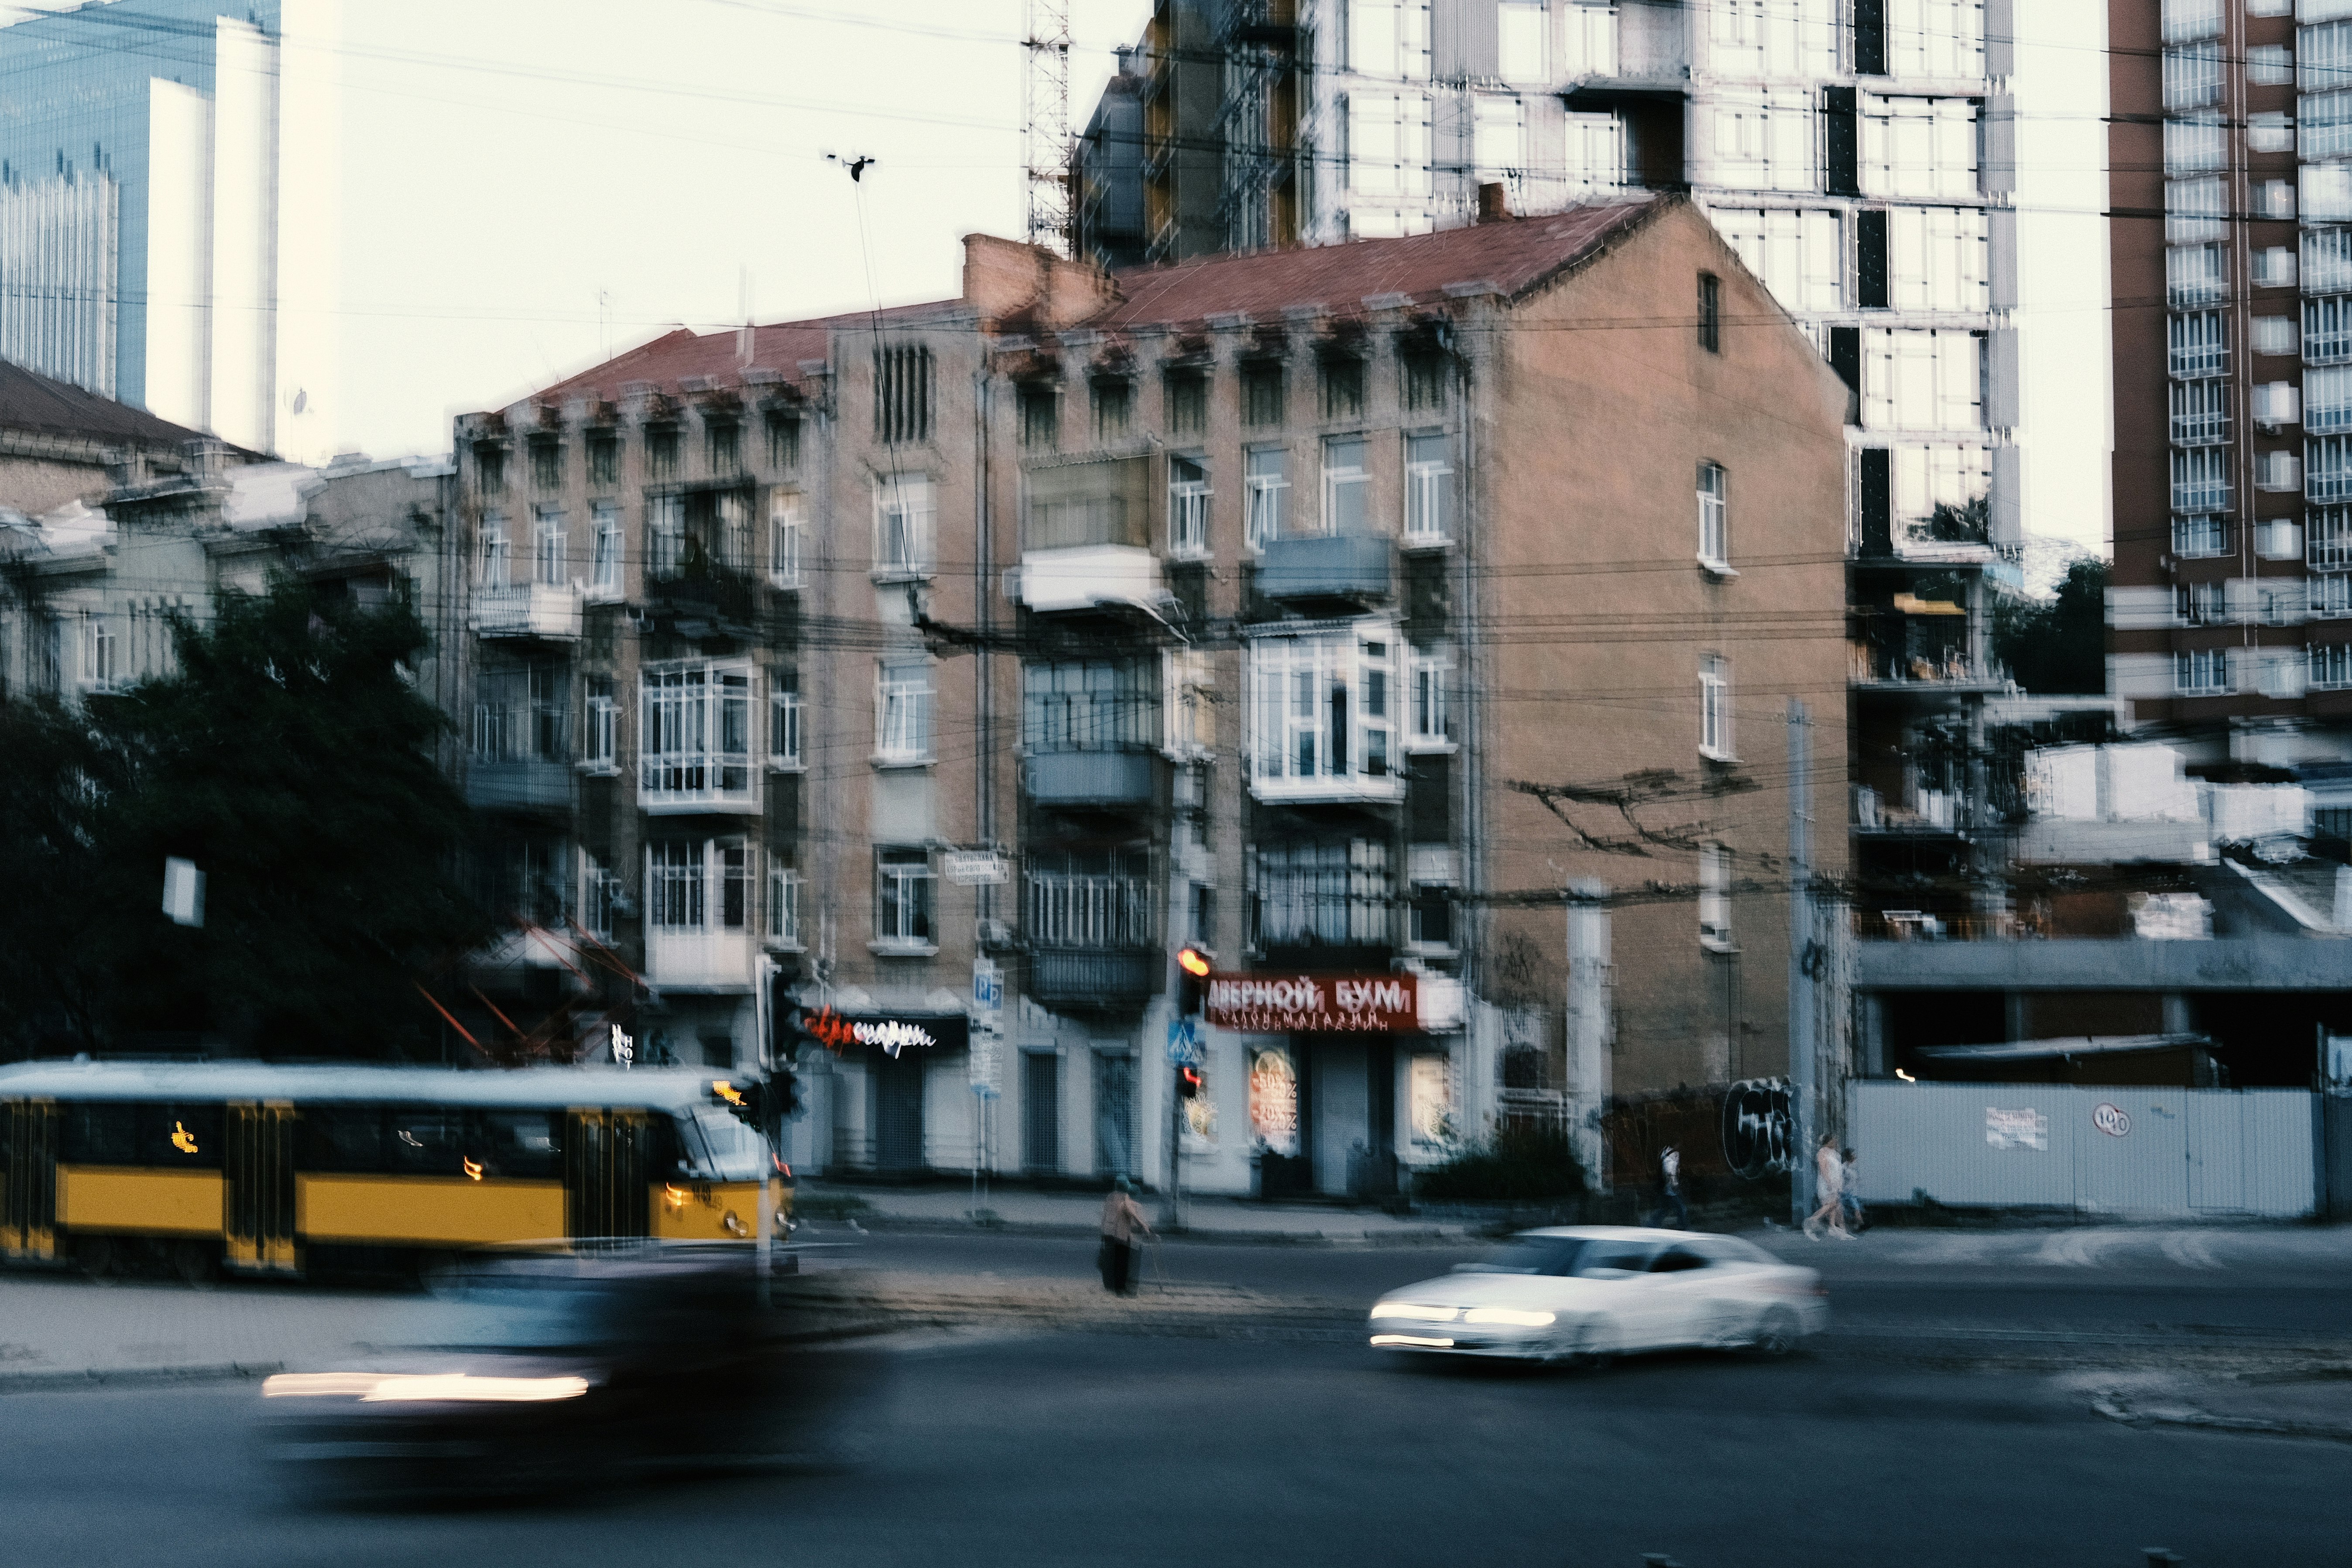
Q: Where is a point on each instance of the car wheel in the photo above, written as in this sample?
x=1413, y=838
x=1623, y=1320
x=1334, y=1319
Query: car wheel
x=1582, y=1349
x=1776, y=1334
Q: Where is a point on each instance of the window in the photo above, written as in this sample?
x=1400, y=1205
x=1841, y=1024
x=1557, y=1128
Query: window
x=600, y=890
x=661, y=451
x=2207, y=669
x=1753, y=39
x=2273, y=132
x=2326, y=329
x=1389, y=38
x=101, y=655
x=1041, y=415
x=1428, y=730
x=1090, y=705
x=1423, y=367
x=2200, y=413
x=723, y=447
x=1715, y=709
x=904, y=890
x=1938, y=259
x=784, y=534
x=2194, y=143
x=2197, y=275
x=1188, y=401
x=2326, y=192
x=1710, y=313
x=2329, y=538
x=2274, y=267
x=1588, y=40
x=696, y=885
x=2275, y=199
x=548, y=562
x=1428, y=489
x=902, y=730
x=546, y=466
x=2200, y=479
x=903, y=506
x=2331, y=665
x=784, y=433
x=1498, y=138
x=2193, y=77
x=1268, y=486
x=2323, y=55
x=49, y=642
x=1114, y=407
x=784, y=906
x=1914, y=380
x=1918, y=146
x=1523, y=28
x=2279, y=538
x=1594, y=153
x=1200, y=915
x=521, y=713
x=664, y=535
x=2330, y=597
x=490, y=471
x=604, y=726
x=1346, y=486
x=1191, y=715
x=1714, y=530
x=2278, y=471
x=1800, y=256
x=1432, y=914
x=2185, y=21
x=2196, y=211
x=784, y=720
x=902, y=394
x=1325, y=713
x=1103, y=500
x=497, y=567
x=1093, y=900
x=2200, y=536
x=1715, y=898
x=605, y=569
x=1389, y=144
x=2200, y=604
x=1262, y=392
x=1768, y=142
x=1343, y=386
x=604, y=461
x=2270, y=65
x=2199, y=345
x=2327, y=467
x=1338, y=894
x=693, y=742
x=1188, y=507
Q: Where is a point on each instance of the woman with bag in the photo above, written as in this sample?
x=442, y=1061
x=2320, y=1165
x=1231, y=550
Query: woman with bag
x=1120, y=1220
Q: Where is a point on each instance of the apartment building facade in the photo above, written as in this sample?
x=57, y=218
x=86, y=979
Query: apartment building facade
x=1327, y=610
x=2232, y=255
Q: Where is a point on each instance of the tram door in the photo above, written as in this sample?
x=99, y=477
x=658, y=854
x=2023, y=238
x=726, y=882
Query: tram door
x=261, y=1186
x=607, y=1165
x=28, y=1178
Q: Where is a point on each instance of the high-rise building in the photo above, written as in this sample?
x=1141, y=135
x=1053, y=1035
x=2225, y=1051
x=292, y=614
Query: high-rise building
x=167, y=211
x=2232, y=258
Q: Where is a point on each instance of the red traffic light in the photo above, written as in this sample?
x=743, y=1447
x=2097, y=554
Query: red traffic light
x=1192, y=960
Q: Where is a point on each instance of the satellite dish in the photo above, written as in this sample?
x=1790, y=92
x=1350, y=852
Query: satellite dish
x=302, y=399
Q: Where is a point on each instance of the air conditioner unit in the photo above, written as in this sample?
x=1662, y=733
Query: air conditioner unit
x=1013, y=584
x=996, y=935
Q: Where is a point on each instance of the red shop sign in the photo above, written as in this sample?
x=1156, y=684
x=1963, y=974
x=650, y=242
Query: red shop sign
x=1314, y=1004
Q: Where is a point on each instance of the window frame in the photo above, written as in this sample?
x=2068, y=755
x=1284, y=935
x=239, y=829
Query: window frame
x=550, y=563
x=892, y=493
x=1710, y=313
x=787, y=538
x=905, y=900
x=1717, y=741
x=1189, y=500
x=1428, y=489
x=1266, y=492
x=600, y=752
x=1347, y=491
x=787, y=720
x=1714, y=495
x=604, y=562
x=700, y=705
x=786, y=884
x=903, y=711
x=1715, y=927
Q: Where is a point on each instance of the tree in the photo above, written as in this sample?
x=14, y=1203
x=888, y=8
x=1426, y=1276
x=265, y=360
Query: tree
x=55, y=922
x=2059, y=643
x=291, y=760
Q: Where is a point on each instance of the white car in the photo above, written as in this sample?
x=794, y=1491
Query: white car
x=1583, y=1293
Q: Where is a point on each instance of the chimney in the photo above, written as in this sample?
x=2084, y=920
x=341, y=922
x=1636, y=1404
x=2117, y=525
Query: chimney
x=1494, y=202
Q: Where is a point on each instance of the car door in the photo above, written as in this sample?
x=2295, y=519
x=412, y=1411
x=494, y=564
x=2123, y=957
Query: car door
x=1683, y=1297
x=1630, y=1302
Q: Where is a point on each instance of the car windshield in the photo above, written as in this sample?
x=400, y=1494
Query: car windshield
x=735, y=1153
x=1554, y=1255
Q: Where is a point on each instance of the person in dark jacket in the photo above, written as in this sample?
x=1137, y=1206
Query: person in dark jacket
x=1120, y=1220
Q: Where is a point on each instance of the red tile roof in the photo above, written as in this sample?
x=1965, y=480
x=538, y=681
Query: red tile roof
x=1511, y=255
x=41, y=405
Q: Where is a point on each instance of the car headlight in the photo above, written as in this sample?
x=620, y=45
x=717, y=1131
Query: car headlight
x=1414, y=1311
x=447, y=1388
x=1512, y=1315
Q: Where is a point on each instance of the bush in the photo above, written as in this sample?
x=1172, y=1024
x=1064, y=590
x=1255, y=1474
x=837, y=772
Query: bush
x=1517, y=1164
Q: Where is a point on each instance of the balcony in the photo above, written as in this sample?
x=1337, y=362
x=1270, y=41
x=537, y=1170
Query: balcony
x=1888, y=669
x=523, y=784
x=1084, y=577
x=547, y=611
x=699, y=603
x=1094, y=979
x=686, y=959
x=1095, y=778
x=1353, y=566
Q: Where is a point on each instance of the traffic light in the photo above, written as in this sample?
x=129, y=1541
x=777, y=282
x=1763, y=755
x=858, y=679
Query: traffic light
x=1192, y=981
x=747, y=1101
x=1189, y=1081
x=784, y=1094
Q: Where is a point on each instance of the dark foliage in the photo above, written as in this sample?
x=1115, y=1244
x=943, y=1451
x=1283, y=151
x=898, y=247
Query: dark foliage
x=2059, y=645
x=1518, y=1163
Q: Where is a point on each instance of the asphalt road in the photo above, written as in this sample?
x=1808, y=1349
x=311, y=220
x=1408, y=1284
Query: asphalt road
x=1094, y=1448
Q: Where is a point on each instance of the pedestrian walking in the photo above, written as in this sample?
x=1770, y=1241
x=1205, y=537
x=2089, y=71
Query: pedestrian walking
x=1121, y=1219
x=1846, y=1196
x=1829, y=1174
x=1670, y=1189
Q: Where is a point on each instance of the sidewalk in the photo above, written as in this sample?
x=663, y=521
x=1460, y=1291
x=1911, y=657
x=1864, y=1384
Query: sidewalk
x=1219, y=1219
x=2284, y=1407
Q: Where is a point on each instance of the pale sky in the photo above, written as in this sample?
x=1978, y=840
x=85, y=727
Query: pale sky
x=511, y=162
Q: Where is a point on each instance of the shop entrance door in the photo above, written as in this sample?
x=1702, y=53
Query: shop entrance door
x=1041, y=1112
x=897, y=1111
x=1114, y=1115
x=1342, y=1128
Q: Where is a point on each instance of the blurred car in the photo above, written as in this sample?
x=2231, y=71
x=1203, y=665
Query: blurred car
x=1583, y=1293
x=558, y=1371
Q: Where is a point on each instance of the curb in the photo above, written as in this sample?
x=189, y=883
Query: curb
x=2204, y=1421
x=132, y=1377
x=1432, y=1236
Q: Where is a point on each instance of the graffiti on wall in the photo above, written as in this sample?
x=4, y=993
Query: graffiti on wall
x=1758, y=1132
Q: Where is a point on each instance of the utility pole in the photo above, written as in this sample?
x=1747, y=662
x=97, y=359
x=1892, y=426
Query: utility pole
x=1800, y=995
x=1591, y=1017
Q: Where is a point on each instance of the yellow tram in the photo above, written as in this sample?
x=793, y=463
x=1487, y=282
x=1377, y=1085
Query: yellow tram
x=281, y=1169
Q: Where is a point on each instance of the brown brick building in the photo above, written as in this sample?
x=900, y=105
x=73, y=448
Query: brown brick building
x=1330, y=609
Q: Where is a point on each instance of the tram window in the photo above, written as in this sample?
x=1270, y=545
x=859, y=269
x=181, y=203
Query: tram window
x=101, y=1132
x=186, y=1136
x=515, y=1143
x=426, y=1141
x=345, y=1139
x=662, y=1150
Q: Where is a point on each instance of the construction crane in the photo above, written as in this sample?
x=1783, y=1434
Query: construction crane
x=1045, y=145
